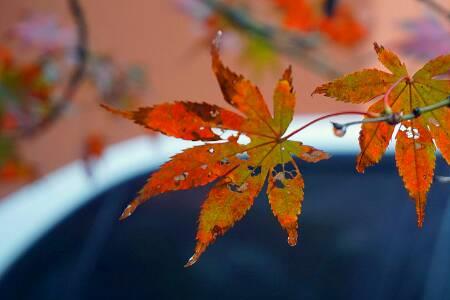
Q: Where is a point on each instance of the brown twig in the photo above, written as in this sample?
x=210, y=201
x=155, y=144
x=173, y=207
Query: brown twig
x=437, y=7
x=74, y=80
x=295, y=45
x=391, y=118
x=395, y=118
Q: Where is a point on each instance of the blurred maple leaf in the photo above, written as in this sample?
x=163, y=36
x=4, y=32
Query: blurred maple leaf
x=427, y=38
x=338, y=24
x=414, y=151
x=94, y=146
x=12, y=167
x=25, y=92
x=239, y=165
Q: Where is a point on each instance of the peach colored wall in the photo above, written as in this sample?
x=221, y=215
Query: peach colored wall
x=158, y=36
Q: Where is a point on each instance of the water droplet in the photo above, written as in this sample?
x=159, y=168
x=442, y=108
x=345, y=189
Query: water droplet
x=204, y=166
x=339, y=130
x=211, y=150
x=217, y=39
x=202, y=128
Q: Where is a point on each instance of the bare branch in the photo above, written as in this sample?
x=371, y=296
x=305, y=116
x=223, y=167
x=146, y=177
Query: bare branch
x=288, y=42
x=395, y=118
x=75, y=78
x=437, y=7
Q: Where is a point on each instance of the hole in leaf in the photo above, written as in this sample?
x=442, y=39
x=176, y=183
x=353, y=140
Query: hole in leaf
x=282, y=172
x=243, y=139
x=279, y=184
x=181, y=177
x=243, y=156
x=255, y=170
x=224, y=134
x=237, y=188
x=214, y=113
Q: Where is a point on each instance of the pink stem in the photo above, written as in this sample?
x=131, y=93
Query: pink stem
x=387, y=107
x=368, y=114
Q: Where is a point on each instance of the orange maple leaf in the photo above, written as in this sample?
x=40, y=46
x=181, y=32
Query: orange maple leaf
x=341, y=27
x=298, y=14
x=415, y=150
x=239, y=168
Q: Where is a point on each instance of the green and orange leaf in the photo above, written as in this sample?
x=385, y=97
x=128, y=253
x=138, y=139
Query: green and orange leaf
x=239, y=169
x=415, y=150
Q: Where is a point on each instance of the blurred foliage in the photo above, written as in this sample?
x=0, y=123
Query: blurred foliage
x=36, y=61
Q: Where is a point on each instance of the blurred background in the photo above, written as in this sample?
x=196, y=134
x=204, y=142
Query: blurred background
x=67, y=167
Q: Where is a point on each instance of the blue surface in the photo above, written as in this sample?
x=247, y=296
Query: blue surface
x=358, y=240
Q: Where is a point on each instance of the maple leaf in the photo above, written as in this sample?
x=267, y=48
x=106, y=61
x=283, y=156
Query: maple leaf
x=239, y=169
x=298, y=14
x=414, y=150
x=341, y=26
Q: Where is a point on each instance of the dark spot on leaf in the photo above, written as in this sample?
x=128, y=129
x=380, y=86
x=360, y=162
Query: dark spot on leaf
x=255, y=170
x=217, y=230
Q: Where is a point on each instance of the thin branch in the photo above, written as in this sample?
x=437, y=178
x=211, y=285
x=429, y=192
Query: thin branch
x=325, y=117
x=391, y=118
x=395, y=118
x=288, y=42
x=76, y=77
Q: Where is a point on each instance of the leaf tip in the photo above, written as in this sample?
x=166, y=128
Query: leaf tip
x=360, y=169
x=215, y=44
x=292, y=237
x=199, y=249
x=322, y=89
x=420, y=211
x=287, y=75
x=125, y=114
x=192, y=260
x=378, y=48
x=128, y=211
